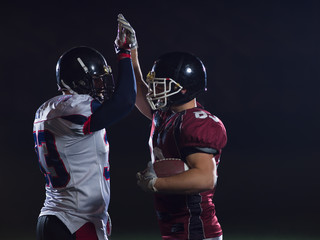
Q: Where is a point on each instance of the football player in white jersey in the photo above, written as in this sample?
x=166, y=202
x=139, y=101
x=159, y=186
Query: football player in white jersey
x=71, y=142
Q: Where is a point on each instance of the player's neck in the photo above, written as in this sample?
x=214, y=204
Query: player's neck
x=185, y=106
x=66, y=92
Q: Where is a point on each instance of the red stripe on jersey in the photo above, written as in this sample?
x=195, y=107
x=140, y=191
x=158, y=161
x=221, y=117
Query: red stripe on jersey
x=87, y=232
x=86, y=126
x=123, y=55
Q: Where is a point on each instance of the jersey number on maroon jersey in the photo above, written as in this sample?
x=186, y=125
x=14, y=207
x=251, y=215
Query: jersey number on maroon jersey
x=202, y=115
x=54, y=170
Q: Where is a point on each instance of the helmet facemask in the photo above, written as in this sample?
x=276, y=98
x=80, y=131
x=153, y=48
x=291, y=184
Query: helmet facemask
x=160, y=90
x=175, y=79
x=102, y=85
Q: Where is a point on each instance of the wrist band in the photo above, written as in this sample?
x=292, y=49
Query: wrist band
x=123, y=55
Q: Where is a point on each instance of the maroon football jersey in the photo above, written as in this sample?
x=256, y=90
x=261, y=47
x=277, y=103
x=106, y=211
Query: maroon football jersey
x=175, y=135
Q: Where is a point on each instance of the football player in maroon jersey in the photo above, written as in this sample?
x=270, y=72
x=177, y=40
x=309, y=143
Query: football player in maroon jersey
x=186, y=143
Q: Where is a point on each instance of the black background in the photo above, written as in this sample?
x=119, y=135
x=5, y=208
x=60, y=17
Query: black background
x=262, y=60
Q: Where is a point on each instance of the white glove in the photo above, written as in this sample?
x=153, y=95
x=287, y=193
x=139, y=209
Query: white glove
x=126, y=37
x=147, y=179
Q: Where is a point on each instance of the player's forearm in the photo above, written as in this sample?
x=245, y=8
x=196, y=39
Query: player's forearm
x=124, y=97
x=191, y=181
x=126, y=85
x=136, y=66
x=122, y=101
x=142, y=87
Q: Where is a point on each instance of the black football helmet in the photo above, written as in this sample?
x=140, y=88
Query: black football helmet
x=172, y=73
x=83, y=70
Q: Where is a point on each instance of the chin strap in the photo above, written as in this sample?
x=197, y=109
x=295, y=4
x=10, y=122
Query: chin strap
x=68, y=88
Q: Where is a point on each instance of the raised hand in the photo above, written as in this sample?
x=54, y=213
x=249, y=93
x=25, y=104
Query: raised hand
x=126, y=37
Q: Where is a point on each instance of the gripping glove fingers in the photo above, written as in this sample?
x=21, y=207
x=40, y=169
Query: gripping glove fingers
x=147, y=179
x=127, y=35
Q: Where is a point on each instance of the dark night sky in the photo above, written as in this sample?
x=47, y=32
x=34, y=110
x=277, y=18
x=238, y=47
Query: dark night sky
x=262, y=60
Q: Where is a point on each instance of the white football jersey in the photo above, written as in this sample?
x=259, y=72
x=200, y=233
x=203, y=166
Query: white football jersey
x=75, y=163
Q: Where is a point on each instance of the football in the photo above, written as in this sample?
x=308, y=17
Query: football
x=169, y=166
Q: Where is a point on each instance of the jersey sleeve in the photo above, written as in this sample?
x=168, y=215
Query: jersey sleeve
x=120, y=104
x=65, y=115
x=82, y=115
x=201, y=131
x=77, y=112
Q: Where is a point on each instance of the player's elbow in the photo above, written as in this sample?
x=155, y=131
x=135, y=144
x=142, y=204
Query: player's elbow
x=131, y=102
x=127, y=108
x=209, y=182
x=127, y=104
x=132, y=99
